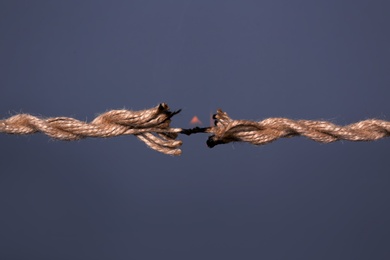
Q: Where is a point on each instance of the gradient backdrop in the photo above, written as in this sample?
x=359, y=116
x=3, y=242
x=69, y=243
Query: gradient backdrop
x=117, y=199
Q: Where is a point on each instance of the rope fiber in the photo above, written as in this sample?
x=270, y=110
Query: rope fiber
x=152, y=126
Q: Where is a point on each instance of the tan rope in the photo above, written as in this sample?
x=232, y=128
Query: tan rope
x=227, y=130
x=152, y=126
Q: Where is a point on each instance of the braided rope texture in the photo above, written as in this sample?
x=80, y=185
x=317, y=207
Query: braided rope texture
x=152, y=126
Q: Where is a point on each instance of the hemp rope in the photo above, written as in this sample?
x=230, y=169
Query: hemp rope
x=227, y=130
x=152, y=126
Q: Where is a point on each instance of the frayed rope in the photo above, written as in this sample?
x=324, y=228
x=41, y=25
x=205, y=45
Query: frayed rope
x=152, y=126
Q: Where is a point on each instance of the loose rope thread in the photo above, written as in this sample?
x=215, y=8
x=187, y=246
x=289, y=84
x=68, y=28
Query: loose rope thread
x=152, y=126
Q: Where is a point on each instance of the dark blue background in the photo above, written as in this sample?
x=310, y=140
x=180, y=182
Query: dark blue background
x=117, y=199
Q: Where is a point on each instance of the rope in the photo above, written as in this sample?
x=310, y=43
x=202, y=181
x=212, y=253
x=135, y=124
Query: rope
x=227, y=130
x=152, y=126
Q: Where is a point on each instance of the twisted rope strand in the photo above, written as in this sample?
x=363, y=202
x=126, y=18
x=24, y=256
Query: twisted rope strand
x=227, y=130
x=150, y=126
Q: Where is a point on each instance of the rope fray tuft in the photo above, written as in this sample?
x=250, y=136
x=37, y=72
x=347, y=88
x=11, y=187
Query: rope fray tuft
x=152, y=126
